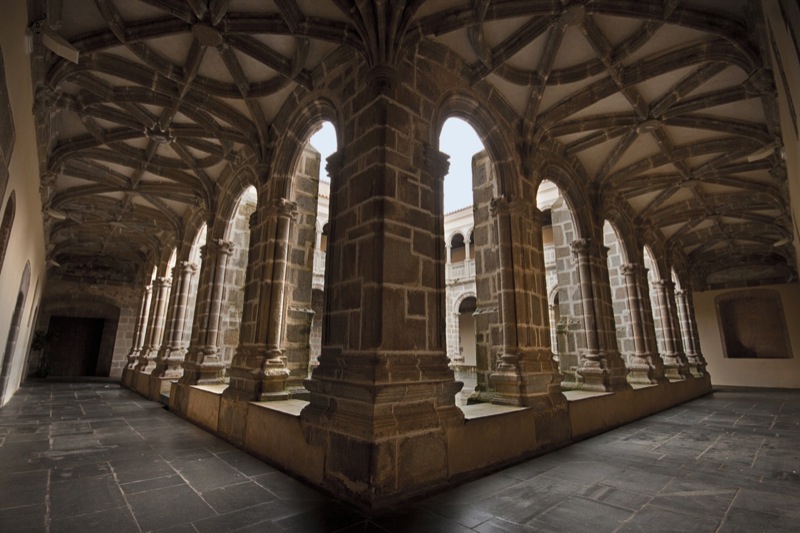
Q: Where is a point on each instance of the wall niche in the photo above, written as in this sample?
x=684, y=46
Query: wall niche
x=752, y=325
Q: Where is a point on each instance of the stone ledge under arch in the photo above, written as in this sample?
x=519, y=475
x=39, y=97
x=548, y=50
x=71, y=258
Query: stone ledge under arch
x=497, y=436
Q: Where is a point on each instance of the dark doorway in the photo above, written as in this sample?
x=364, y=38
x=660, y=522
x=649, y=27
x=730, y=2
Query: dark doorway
x=76, y=345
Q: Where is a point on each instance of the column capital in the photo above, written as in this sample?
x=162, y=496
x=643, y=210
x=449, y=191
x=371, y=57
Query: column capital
x=511, y=205
x=162, y=281
x=434, y=162
x=334, y=164
x=217, y=247
x=581, y=246
x=281, y=207
x=663, y=284
x=186, y=267
x=384, y=79
x=629, y=269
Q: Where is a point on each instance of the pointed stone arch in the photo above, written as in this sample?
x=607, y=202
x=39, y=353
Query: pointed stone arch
x=5, y=226
x=6, y=367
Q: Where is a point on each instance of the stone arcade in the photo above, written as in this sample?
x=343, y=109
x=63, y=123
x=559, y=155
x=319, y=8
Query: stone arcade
x=637, y=155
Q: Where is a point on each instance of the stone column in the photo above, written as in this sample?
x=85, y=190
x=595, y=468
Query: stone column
x=272, y=309
x=202, y=364
x=674, y=367
x=645, y=367
x=449, y=249
x=607, y=331
x=258, y=370
x=599, y=371
x=138, y=337
x=170, y=356
x=155, y=329
x=525, y=374
x=551, y=313
x=697, y=363
x=383, y=394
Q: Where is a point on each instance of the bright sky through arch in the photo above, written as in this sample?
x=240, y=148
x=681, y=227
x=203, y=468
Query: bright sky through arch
x=460, y=142
x=325, y=142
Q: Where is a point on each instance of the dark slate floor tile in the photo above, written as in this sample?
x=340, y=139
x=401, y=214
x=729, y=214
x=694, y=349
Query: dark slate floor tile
x=524, y=501
x=287, y=488
x=118, y=520
x=167, y=507
x=135, y=487
x=654, y=520
x=28, y=518
x=23, y=488
x=74, y=472
x=576, y=514
x=691, y=497
x=84, y=495
x=464, y=514
x=636, y=480
x=245, y=463
x=208, y=473
x=749, y=521
x=140, y=468
x=774, y=502
x=235, y=497
x=602, y=493
x=260, y=514
x=329, y=516
x=498, y=525
x=417, y=520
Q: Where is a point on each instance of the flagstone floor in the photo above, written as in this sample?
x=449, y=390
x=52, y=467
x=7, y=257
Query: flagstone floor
x=86, y=457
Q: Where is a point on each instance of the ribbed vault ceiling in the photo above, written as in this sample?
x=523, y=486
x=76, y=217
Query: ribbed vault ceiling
x=668, y=106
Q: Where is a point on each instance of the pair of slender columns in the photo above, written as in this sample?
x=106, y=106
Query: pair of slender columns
x=140, y=329
x=675, y=363
x=258, y=370
x=202, y=364
x=155, y=325
x=691, y=342
x=173, y=349
x=602, y=368
x=525, y=373
x=646, y=365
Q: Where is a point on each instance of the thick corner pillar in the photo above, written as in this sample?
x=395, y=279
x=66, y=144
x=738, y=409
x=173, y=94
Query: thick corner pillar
x=646, y=366
x=172, y=352
x=202, y=364
x=258, y=370
x=525, y=374
x=155, y=328
x=675, y=365
x=138, y=337
x=691, y=346
x=601, y=368
x=383, y=395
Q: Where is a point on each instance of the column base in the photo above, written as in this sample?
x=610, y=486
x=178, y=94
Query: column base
x=258, y=374
x=527, y=381
x=697, y=366
x=642, y=372
x=202, y=367
x=597, y=376
x=274, y=375
x=674, y=368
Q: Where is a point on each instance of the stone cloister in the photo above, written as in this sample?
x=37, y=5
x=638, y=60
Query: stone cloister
x=635, y=156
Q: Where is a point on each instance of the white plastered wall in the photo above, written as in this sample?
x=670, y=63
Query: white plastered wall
x=782, y=373
x=26, y=243
x=786, y=70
